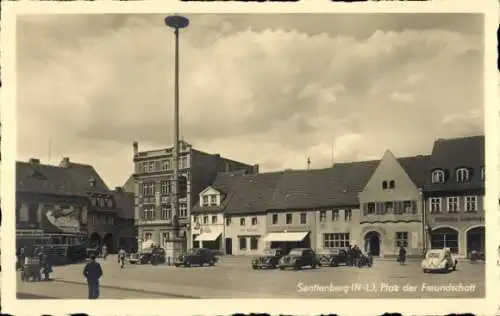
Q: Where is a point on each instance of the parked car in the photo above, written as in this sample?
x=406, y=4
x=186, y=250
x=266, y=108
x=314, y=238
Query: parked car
x=440, y=260
x=146, y=255
x=298, y=258
x=197, y=256
x=270, y=259
x=477, y=255
x=331, y=257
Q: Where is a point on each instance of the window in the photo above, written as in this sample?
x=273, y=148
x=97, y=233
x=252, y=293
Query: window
x=392, y=184
x=370, y=208
x=166, y=211
x=164, y=165
x=437, y=176
x=389, y=207
x=165, y=236
x=471, y=204
x=213, y=200
x=322, y=216
x=148, y=213
x=242, y=221
x=145, y=166
x=408, y=206
x=183, y=210
x=205, y=219
x=93, y=201
x=101, y=202
x=243, y=243
x=165, y=187
x=347, y=214
x=289, y=218
x=482, y=173
x=335, y=215
x=274, y=219
x=384, y=185
x=205, y=200
x=109, y=203
x=152, y=166
x=254, y=221
x=435, y=205
x=148, y=189
x=196, y=219
x=254, y=243
x=228, y=221
x=303, y=218
x=148, y=236
x=462, y=175
x=336, y=240
x=452, y=204
x=402, y=239
x=214, y=219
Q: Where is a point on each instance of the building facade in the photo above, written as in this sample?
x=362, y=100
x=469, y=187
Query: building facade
x=153, y=181
x=391, y=204
x=454, y=194
x=126, y=232
x=67, y=202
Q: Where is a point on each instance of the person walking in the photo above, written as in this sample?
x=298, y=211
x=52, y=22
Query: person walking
x=402, y=255
x=104, y=252
x=93, y=272
x=121, y=257
x=349, y=255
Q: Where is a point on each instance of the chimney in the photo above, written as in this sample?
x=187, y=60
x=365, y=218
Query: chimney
x=64, y=162
x=255, y=169
x=34, y=161
x=135, y=145
x=217, y=156
x=119, y=189
x=227, y=166
x=92, y=182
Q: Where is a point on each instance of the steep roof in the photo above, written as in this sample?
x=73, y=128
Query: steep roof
x=417, y=168
x=49, y=179
x=453, y=153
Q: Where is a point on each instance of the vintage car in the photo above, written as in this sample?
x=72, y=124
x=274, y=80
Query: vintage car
x=298, y=258
x=440, y=260
x=270, y=259
x=331, y=257
x=146, y=256
x=475, y=256
x=196, y=256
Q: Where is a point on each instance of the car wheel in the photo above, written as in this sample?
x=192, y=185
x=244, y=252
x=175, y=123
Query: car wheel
x=187, y=264
x=211, y=263
x=254, y=267
x=425, y=270
x=335, y=264
x=313, y=266
x=282, y=268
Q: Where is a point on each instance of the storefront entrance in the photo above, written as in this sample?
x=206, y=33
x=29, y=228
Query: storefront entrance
x=372, y=243
x=296, y=240
x=476, y=239
x=229, y=246
x=445, y=237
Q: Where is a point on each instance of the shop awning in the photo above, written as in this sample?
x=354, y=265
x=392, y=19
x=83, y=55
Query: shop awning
x=207, y=237
x=292, y=236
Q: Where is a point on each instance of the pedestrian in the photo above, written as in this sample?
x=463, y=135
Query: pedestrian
x=356, y=255
x=121, y=257
x=104, y=252
x=402, y=255
x=93, y=272
x=349, y=255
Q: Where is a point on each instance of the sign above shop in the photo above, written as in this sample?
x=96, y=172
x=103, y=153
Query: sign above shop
x=459, y=218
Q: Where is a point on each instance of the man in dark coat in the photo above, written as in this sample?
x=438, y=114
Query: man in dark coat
x=93, y=273
x=402, y=255
x=349, y=255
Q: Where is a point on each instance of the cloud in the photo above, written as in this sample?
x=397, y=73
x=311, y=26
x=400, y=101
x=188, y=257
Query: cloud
x=267, y=90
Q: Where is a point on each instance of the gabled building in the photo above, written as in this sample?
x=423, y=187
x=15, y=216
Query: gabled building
x=124, y=223
x=63, y=204
x=454, y=192
x=391, y=204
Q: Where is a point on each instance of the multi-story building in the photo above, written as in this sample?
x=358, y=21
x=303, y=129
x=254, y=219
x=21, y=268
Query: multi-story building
x=454, y=193
x=65, y=202
x=126, y=232
x=392, y=206
x=153, y=179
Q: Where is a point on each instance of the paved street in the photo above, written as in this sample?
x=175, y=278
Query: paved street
x=233, y=278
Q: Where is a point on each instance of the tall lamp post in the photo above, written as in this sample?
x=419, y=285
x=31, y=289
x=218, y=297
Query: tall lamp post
x=176, y=22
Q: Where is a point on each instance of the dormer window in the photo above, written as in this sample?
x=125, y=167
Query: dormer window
x=384, y=185
x=462, y=175
x=392, y=184
x=438, y=176
x=205, y=200
x=213, y=200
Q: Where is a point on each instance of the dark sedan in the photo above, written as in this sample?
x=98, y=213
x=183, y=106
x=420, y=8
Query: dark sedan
x=299, y=258
x=270, y=259
x=146, y=256
x=197, y=256
x=332, y=257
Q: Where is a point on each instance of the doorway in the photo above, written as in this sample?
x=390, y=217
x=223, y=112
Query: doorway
x=372, y=243
x=229, y=246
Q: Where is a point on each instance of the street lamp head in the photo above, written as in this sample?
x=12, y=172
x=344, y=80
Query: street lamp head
x=176, y=21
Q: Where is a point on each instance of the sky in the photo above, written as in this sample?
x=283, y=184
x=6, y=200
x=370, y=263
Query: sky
x=267, y=89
